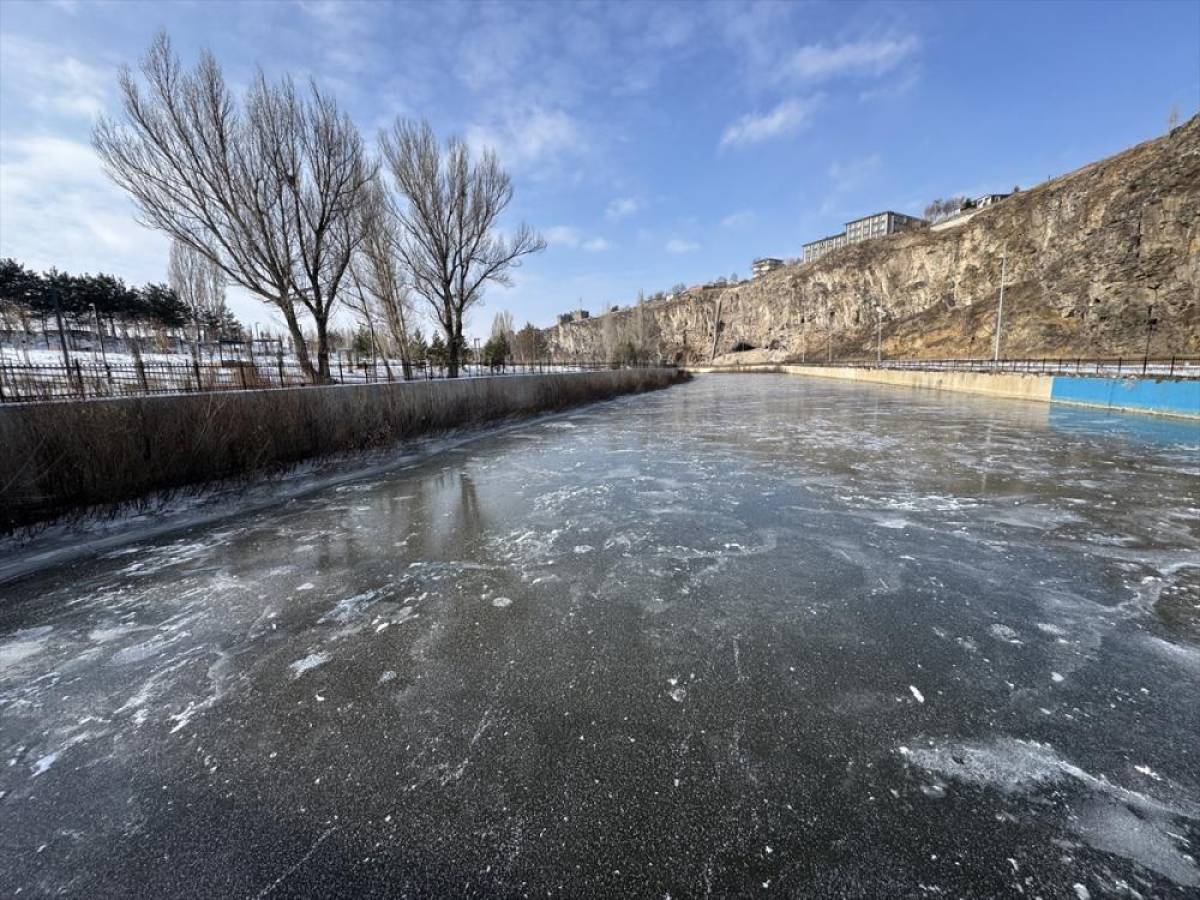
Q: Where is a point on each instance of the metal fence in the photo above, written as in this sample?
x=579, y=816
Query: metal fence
x=25, y=383
x=1112, y=367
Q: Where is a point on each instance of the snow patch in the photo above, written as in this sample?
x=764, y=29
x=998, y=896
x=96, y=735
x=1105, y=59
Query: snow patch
x=300, y=666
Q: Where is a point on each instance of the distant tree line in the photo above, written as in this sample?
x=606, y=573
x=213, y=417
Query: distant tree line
x=102, y=302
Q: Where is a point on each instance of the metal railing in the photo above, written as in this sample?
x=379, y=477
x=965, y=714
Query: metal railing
x=84, y=379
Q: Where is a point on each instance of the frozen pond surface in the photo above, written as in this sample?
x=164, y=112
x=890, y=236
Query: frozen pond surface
x=751, y=635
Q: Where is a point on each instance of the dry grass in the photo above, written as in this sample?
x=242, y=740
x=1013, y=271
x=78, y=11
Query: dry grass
x=60, y=457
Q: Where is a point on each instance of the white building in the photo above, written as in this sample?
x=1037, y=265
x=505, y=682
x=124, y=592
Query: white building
x=765, y=264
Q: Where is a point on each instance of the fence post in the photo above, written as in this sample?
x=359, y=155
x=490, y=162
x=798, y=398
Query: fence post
x=141, y=373
x=1171, y=374
x=1, y=384
x=196, y=368
x=279, y=361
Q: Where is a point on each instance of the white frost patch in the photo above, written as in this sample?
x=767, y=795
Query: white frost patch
x=1112, y=819
x=300, y=666
x=15, y=651
x=677, y=694
x=1003, y=633
x=917, y=694
x=387, y=676
x=307, y=586
x=349, y=607
x=1056, y=677
x=893, y=523
x=43, y=764
x=584, y=548
x=501, y=602
x=1188, y=657
x=1016, y=767
x=111, y=633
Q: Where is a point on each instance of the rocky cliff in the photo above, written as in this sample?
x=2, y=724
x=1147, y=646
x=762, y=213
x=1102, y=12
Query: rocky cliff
x=1087, y=255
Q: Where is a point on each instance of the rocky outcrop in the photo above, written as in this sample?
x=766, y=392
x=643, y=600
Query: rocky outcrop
x=1088, y=254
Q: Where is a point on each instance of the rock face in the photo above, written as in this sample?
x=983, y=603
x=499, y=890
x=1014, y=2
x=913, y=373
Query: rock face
x=1087, y=254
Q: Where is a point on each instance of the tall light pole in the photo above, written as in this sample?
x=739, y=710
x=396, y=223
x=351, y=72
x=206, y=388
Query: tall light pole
x=1000, y=308
x=100, y=335
x=878, y=333
x=829, y=338
x=1150, y=323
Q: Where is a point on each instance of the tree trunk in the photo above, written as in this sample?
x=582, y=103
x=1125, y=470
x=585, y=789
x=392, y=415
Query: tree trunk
x=454, y=350
x=322, y=350
x=289, y=315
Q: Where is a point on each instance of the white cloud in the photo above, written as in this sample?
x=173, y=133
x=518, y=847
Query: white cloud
x=562, y=235
x=622, y=207
x=853, y=173
x=816, y=62
x=679, y=245
x=60, y=210
x=738, y=219
x=891, y=88
x=784, y=119
x=524, y=137
x=42, y=77
x=569, y=236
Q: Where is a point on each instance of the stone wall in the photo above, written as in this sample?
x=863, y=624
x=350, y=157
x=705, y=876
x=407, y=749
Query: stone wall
x=1087, y=254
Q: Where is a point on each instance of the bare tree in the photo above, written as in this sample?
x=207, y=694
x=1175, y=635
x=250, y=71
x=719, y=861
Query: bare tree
x=318, y=154
x=939, y=210
x=447, y=212
x=200, y=284
x=380, y=291
x=268, y=193
x=503, y=325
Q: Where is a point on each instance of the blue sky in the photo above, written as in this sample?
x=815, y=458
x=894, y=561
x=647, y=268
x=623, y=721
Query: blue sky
x=650, y=143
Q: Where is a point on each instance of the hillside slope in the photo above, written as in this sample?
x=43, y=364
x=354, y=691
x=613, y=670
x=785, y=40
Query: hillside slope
x=1088, y=252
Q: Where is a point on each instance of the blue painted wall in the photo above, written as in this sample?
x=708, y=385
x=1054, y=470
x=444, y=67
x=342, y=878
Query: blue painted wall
x=1180, y=398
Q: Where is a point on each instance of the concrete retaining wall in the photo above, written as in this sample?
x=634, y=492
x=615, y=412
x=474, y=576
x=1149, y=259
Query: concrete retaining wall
x=59, y=456
x=1019, y=387
x=1169, y=397
x=1165, y=397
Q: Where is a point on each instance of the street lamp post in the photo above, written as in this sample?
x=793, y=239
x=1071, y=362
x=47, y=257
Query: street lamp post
x=100, y=336
x=1000, y=307
x=878, y=333
x=1150, y=323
